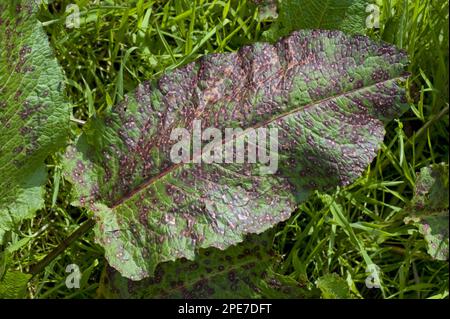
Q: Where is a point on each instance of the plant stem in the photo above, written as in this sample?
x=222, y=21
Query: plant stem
x=436, y=118
x=83, y=229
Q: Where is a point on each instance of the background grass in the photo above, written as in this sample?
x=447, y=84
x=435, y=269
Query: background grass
x=121, y=43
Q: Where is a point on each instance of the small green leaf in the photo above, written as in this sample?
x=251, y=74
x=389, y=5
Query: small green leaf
x=333, y=287
x=13, y=285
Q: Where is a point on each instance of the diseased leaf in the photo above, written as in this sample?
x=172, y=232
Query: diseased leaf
x=241, y=271
x=327, y=95
x=429, y=209
x=34, y=117
x=333, y=287
x=344, y=15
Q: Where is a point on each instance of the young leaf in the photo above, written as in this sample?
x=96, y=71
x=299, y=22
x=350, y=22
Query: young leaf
x=428, y=209
x=333, y=287
x=344, y=15
x=13, y=284
x=241, y=271
x=325, y=93
x=34, y=117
